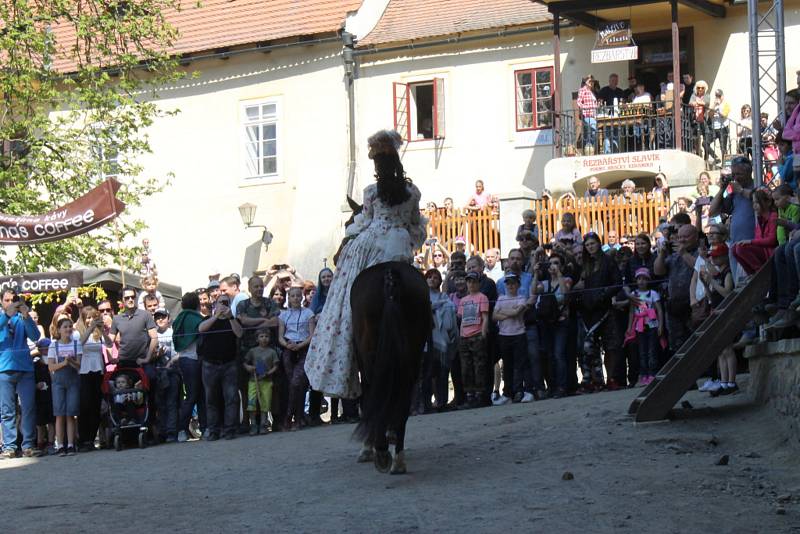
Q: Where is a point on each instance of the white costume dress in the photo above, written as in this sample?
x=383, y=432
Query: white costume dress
x=381, y=233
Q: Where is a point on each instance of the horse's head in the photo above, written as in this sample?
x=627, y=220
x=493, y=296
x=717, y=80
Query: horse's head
x=356, y=208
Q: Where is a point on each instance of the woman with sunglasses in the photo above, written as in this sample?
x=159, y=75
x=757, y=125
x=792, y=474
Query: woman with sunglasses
x=436, y=256
x=600, y=282
x=93, y=338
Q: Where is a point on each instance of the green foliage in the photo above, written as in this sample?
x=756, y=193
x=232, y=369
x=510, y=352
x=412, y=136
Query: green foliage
x=78, y=80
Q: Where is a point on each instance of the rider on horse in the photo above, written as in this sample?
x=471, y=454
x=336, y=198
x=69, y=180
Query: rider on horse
x=389, y=228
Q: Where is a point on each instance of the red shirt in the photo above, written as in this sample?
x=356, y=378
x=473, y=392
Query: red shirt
x=587, y=102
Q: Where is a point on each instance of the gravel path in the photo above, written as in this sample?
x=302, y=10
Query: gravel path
x=489, y=470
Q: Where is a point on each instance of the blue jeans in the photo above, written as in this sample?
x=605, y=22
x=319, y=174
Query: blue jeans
x=648, y=352
x=13, y=384
x=610, y=139
x=534, y=362
x=167, y=394
x=589, y=131
x=192, y=375
x=555, y=335
x=221, y=377
x=785, y=286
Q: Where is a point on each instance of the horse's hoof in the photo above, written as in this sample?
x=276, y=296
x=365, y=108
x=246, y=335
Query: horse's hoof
x=365, y=456
x=383, y=461
x=391, y=437
x=398, y=464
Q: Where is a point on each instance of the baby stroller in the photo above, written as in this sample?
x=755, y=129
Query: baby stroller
x=118, y=425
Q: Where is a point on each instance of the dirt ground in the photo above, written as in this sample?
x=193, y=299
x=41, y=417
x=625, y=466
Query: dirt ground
x=490, y=470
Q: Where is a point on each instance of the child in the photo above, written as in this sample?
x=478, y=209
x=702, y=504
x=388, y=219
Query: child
x=260, y=362
x=528, y=224
x=125, y=400
x=646, y=321
x=149, y=284
x=788, y=213
x=295, y=328
x=569, y=235
x=473, y=309
x=508, y=312
x=45, y=430
x=64, y=361
x=168, y=381
x=719, y=285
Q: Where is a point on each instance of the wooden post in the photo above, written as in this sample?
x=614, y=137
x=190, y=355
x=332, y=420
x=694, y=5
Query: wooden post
x=556, y=83
x=676, y=77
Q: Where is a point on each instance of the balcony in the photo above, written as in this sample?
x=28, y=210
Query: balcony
x=622, y=129
x=634, y=141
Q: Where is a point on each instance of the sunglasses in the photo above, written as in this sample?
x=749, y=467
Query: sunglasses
x=104, y=310
x=438, y=255
x=129, y=297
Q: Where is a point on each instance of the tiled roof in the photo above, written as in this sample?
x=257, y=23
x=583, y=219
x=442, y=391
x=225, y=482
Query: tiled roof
x=226, y=23
x=406, y=20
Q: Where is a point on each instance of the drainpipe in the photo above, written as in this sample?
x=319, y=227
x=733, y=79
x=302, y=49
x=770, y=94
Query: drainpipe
x=349, y=79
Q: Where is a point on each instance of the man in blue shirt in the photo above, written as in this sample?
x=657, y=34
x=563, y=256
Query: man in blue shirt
x=514, y=264
x=16, y=375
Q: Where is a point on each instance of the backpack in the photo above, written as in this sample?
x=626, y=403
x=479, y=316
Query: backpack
x=547, y=307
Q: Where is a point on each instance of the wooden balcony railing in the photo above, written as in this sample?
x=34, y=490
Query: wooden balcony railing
x=626, y=216
x=480, y=229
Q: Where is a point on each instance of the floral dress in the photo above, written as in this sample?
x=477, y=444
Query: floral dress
x=379, y=234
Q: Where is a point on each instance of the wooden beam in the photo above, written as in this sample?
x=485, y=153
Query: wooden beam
x=585, y=19
x=565, y=7
x=704, y=6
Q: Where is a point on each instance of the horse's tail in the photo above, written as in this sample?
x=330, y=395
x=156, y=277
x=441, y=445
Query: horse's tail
x=389, y=394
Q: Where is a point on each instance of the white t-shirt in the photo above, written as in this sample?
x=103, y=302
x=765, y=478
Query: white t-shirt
x=58, y=352
x=296, y=324
x=700, y=288
x=643, y=99
x=92, y=359
x=648, y=300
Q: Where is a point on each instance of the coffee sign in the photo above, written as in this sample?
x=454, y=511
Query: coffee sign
x=42, y=282
x=614, y=43
x=94, y=209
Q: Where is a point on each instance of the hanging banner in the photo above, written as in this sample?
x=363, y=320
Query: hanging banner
x=94, y=209
x=614, y=42
x=42, y=282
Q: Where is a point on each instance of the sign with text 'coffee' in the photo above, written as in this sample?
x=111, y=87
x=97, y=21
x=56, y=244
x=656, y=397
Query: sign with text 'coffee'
x=94, y=209
x=42, y=282
x=614, y=43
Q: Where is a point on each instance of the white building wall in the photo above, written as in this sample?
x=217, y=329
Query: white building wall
x=194, y=222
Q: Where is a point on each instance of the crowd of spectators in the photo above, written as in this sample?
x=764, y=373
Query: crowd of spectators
x=574, y=315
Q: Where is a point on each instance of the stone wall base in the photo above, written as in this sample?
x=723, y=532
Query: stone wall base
x=775, y=380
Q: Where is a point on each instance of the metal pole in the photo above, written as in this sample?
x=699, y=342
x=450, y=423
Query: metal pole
x=676, y=78
x=755, y=90
x=780, y=60
x=556, y=83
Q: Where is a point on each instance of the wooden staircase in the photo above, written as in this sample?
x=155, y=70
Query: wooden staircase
x=721, y=328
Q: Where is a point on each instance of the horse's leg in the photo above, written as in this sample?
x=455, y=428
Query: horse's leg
x=367, y=453
x=399, y=462
x=383, y=458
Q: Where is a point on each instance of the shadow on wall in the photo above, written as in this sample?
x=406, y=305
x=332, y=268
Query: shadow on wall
x=538, y=158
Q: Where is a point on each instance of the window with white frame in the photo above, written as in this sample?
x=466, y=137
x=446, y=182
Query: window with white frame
x=260, y=140
x=534, y=98
x=106, y=152
x=419, y=109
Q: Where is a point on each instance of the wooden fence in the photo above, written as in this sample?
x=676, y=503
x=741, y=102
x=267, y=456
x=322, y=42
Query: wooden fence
x=481, y=229
x=625, y=216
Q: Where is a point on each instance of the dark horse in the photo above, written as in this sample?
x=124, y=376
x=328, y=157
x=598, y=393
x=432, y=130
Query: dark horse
x=392, y=321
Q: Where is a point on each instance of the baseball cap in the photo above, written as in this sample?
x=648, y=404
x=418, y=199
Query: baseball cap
x=473, y=276
x=213, y=284
x=461, y=239
x=43, y=343
x=161, y=311
x=643, y=271
x=511, y=277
